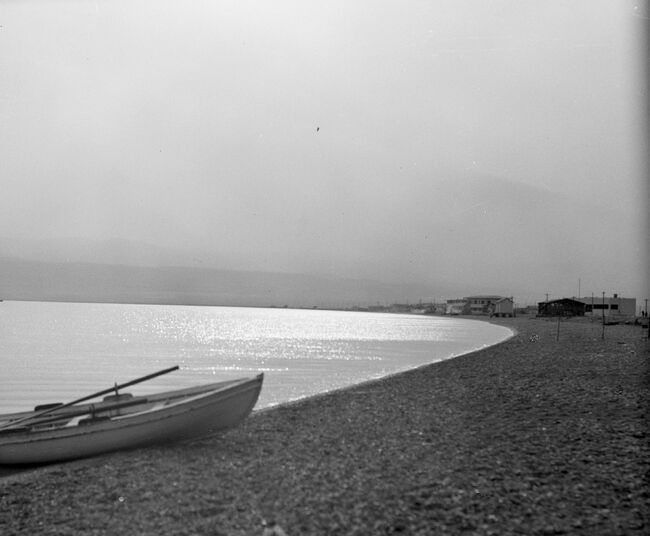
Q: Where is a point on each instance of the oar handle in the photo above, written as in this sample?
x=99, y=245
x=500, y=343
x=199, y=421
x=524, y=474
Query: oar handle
x=9, y=424
x=143, y=379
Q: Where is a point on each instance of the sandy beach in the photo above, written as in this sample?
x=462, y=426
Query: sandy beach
x=531, y=436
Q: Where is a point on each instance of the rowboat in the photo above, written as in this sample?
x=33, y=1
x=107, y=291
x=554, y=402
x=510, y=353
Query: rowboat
x=119, y=421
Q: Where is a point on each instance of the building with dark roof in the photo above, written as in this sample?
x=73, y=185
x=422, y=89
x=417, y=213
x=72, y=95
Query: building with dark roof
x=561, y=307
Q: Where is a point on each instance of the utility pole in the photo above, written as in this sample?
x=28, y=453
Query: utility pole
x=578, y=288
x=603, y=335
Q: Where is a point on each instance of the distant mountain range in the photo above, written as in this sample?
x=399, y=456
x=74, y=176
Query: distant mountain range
x=112, y=251
x=88, y=282
x=478, y=235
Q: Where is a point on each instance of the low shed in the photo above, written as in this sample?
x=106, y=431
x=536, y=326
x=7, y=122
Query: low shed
x=504, y=307
x=561, y=307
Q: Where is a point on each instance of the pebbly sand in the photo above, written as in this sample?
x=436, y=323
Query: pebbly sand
x=531, y=436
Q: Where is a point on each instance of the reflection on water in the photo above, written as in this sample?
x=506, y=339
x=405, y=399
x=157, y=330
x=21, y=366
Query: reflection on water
x=54, y=352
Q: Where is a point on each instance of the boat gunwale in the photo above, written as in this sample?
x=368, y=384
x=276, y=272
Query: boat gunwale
x=124, y=422
x=146, y=398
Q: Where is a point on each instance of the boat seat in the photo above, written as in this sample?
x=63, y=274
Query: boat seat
x=43, y=407
x=75, y=420
x=117, y=398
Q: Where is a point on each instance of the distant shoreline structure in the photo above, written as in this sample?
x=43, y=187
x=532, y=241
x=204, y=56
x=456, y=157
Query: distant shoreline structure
x=461, y=308
x=27, y=280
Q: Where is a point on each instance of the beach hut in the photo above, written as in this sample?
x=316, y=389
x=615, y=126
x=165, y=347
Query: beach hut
x=504, y=307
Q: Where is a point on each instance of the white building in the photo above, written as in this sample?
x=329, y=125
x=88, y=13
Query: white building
x=457, y=307
x=610, y=306
x=482, y=305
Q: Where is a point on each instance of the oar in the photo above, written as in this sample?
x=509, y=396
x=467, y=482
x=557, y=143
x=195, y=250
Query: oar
x=81, y=411
x=9, y=424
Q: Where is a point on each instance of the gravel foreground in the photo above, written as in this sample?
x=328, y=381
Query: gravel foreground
x=532, y=436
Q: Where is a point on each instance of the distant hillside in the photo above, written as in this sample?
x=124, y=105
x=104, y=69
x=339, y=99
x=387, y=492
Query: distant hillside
x=86, y=282
x=100, y=251
x=458, y=236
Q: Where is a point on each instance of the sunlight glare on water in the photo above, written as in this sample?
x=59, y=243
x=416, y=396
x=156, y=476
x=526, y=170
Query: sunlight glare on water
x=60, y=351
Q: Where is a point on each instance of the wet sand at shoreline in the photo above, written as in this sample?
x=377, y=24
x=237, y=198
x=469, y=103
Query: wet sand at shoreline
x=531, y=436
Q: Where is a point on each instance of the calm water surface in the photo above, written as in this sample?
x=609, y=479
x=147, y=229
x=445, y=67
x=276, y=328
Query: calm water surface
x=57, y=352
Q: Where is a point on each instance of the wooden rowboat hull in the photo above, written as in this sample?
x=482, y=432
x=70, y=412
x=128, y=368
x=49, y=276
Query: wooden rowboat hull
x=155, y=419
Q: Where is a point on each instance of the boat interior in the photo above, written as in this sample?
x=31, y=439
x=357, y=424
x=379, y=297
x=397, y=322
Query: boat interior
x=117, y=405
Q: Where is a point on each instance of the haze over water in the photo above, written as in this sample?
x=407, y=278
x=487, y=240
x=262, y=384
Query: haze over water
x=448, y=148
x=57, y=352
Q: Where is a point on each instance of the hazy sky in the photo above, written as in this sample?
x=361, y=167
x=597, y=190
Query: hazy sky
x=330, y=137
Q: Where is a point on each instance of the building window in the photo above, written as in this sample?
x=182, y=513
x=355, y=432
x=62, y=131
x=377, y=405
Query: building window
x=600, y=306
x=614, y=306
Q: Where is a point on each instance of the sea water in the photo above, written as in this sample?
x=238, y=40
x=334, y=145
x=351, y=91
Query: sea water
x=58, y=352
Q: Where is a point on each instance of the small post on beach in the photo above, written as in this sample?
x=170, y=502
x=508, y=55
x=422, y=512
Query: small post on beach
x=557, y=336
x=603, y=334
